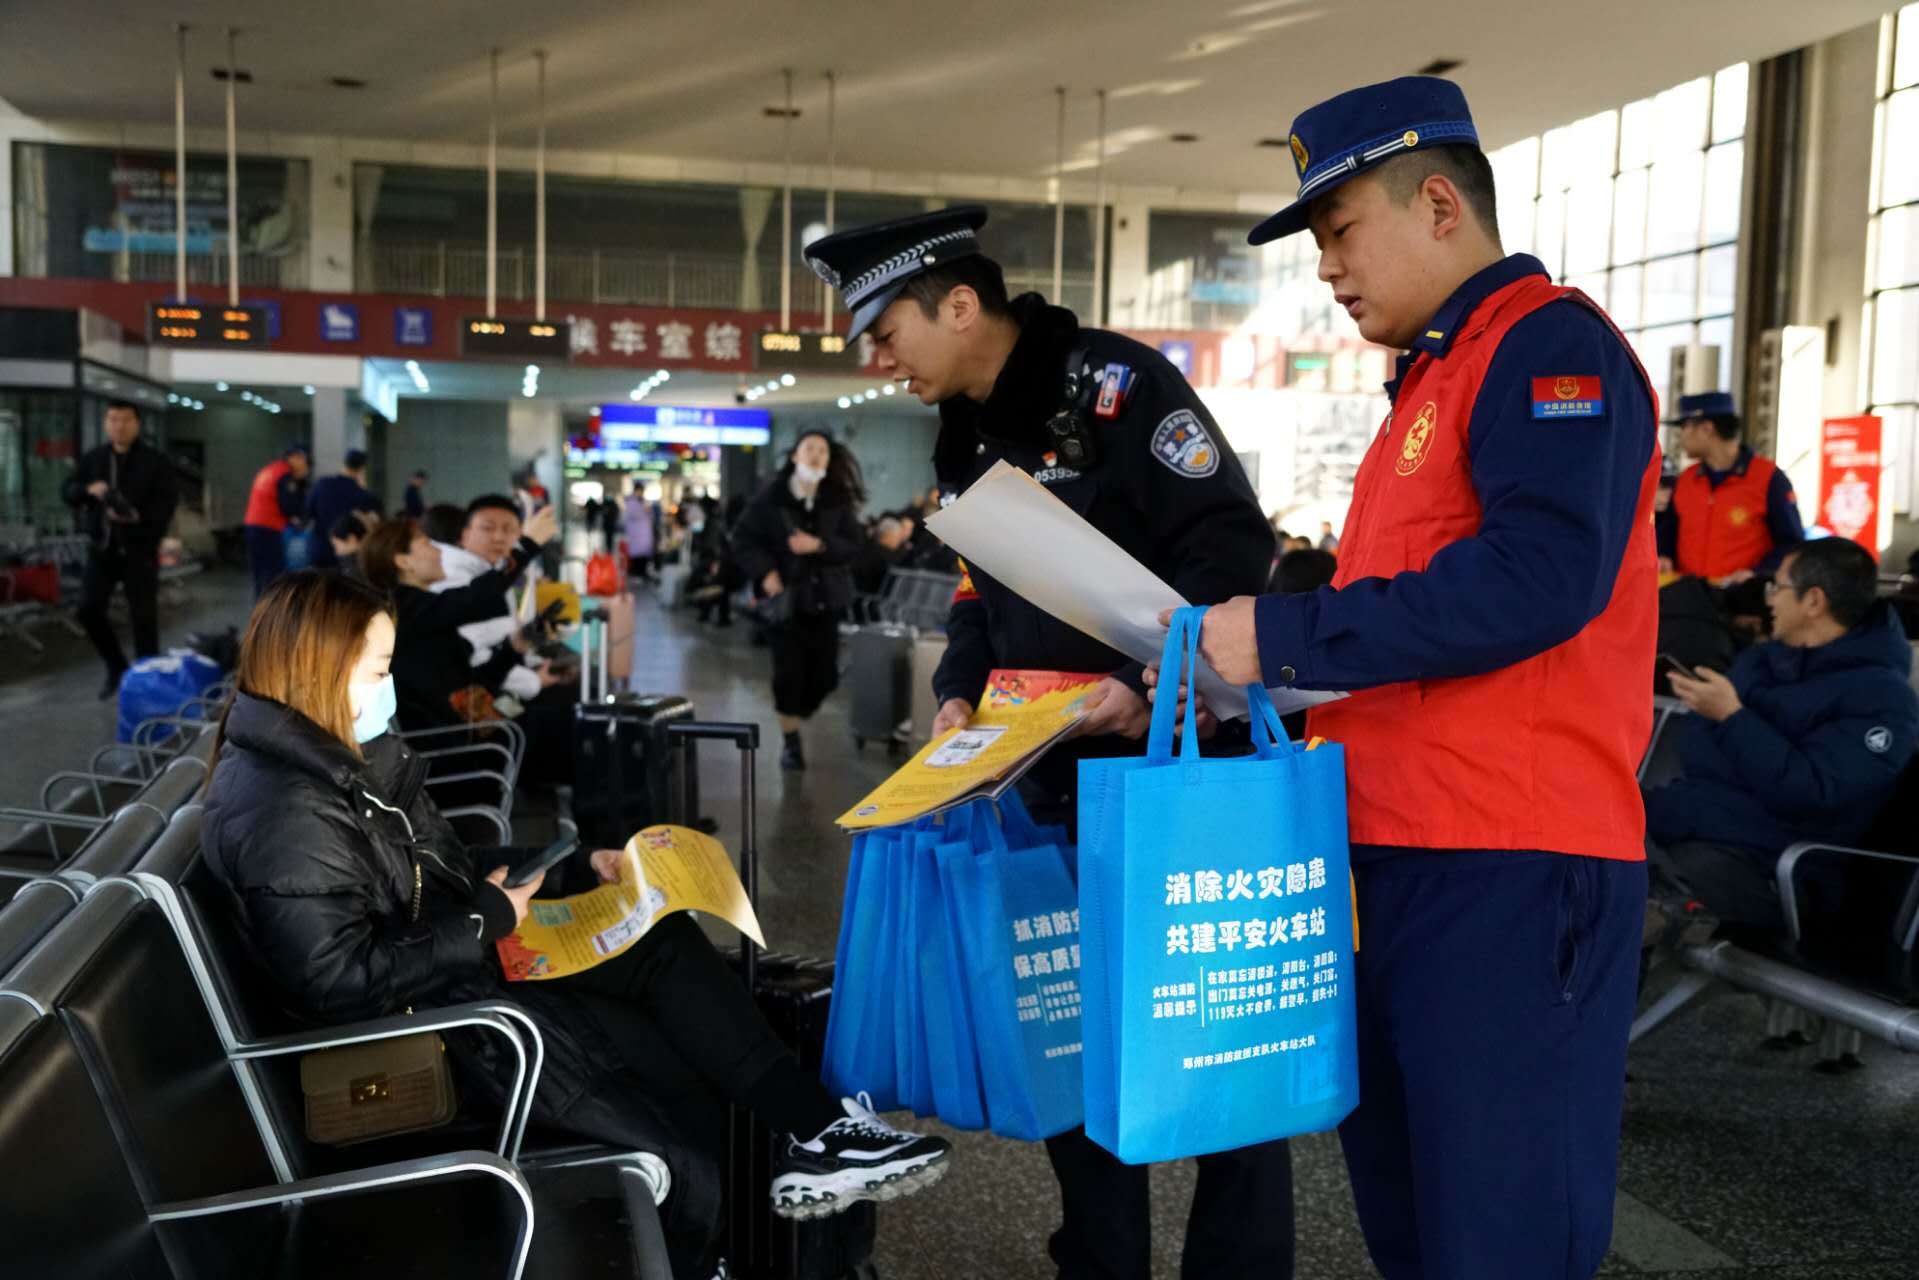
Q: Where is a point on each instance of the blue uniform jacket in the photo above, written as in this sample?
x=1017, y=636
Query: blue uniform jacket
x=1813, y=754
x=1557, y=504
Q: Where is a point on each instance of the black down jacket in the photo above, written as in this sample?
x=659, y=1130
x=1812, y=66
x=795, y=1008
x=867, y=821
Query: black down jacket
x=318, y=852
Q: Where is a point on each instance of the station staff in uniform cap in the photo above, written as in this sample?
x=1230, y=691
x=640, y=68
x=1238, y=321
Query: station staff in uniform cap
x=1734, y=513
x=1494, y=616
x=1114, y=432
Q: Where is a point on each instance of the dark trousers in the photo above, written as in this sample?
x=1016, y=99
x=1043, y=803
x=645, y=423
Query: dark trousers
x=1495, y=993
x=1240, y=1228
x=806, y=662
x=682, y=1021
x=1737, y=884
x=266, y=556
x=138, y=568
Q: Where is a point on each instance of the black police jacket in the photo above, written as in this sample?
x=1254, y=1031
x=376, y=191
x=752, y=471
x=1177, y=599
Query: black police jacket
x=317, y=852
x=1165, y=488
x=142, y=476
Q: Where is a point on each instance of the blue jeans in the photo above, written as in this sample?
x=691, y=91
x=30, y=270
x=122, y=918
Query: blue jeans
x=1495, y=994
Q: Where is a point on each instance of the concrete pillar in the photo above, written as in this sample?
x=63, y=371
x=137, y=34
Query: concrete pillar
x=1126, y=270
x=330, y=251
x=329, y=430
x=1836, y=192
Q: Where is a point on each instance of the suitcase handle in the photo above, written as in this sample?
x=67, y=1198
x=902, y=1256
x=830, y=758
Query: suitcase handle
x=745, y=736
x=687, y=735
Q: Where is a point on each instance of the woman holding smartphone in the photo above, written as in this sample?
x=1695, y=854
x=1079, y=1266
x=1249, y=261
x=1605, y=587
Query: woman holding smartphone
x=359, y=901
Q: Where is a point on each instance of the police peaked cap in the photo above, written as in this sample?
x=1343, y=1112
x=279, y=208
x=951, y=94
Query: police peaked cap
x=870, y=265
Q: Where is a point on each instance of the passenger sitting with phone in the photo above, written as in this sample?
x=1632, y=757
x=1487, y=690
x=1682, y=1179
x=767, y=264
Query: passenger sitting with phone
x=437, y=686
x=1803, y=740
x=359, y=901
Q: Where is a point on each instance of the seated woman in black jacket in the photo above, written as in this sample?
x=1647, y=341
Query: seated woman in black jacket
x=359, y=901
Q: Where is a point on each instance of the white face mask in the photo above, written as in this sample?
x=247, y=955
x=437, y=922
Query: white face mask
x=808, y=476
x=374, y=706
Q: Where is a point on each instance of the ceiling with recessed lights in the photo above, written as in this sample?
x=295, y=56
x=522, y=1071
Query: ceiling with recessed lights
x=923, y=89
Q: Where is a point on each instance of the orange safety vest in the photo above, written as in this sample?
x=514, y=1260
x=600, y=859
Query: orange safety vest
x=1538, y=755
x=1723, y=530
x=263, y=501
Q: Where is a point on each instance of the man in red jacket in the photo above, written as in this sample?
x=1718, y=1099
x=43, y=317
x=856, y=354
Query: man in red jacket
x=277, y=499
x=1494, y=618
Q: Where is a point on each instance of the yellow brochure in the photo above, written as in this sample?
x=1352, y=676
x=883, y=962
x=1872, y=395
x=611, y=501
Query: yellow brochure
x=1021, y=715
x=662, y=869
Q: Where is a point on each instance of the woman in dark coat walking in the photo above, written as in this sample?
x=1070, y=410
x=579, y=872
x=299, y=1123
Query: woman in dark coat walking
x=358, y=901
x=796, y=542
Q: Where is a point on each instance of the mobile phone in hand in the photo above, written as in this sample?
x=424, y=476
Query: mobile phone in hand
x=551, y=856
x=1673, y=666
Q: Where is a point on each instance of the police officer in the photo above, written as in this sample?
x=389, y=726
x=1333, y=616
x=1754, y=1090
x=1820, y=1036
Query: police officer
x=1113, y=431
x=1734, y=515
x=1494, y=616
x=125, y=492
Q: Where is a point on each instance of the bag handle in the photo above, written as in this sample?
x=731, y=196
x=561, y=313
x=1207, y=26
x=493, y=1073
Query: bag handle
x=1264, y=716
x=1178, y=664
x=1016, y=821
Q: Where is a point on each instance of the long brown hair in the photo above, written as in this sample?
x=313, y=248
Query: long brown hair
x=381, y=550
x=305, y=636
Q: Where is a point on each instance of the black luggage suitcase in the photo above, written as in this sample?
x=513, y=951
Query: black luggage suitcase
x=795, y=993
x=626, y=774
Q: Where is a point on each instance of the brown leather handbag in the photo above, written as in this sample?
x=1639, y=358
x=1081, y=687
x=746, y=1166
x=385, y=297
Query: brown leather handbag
x=358, y=1092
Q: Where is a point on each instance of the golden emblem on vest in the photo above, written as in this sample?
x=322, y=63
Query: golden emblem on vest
x=1418, y=437
x=1566, y=388
x=1299, y=154
x=1738, y=515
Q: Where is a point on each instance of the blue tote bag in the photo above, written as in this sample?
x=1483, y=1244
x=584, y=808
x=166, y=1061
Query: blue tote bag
x=1017, y=921
x=1216, y=904
x=914, y=868
x=952, y=1049
x=859, y=1030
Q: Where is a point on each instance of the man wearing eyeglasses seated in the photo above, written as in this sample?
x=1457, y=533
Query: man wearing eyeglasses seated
x=1805, y=739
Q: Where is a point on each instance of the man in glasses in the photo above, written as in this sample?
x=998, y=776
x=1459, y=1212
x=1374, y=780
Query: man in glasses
x=1804, y=739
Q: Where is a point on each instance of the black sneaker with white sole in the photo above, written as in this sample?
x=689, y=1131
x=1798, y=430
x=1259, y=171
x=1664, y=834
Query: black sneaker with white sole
x=858, y=1158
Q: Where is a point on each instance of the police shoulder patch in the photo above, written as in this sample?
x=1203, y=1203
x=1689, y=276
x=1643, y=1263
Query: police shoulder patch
x=1181, y=444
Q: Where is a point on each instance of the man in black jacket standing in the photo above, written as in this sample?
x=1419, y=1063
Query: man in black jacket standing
x=1111, y=429
x=125, y=493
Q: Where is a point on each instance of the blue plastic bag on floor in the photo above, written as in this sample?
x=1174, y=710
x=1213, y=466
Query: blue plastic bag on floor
x=158, y=686
x=297, y=546
x=1018, y=925
x=1217, y=908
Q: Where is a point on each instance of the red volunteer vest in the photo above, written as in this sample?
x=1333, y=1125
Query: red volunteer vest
x=1723, y=530
x=1538, y=755
x=263, y=502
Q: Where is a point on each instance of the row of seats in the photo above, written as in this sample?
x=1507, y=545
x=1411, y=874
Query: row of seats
x=137, y=1040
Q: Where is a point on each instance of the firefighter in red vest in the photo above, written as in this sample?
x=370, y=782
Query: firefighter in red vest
x=1493, y=620
x=1734, y=514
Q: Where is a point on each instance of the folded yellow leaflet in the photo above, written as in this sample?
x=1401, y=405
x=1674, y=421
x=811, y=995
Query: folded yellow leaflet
x=1021, y=714
x=662, y=870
